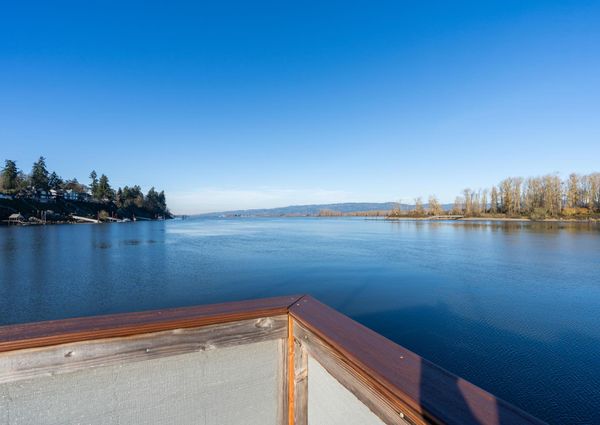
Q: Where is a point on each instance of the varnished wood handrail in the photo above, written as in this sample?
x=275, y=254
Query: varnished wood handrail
x=40, y=334
x=401, y=376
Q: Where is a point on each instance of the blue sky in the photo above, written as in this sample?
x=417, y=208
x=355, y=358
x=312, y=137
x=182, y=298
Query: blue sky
x=228, y=105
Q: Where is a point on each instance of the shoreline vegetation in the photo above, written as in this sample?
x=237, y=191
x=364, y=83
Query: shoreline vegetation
x=41, y=197
x=498, y=219
x=545, y=198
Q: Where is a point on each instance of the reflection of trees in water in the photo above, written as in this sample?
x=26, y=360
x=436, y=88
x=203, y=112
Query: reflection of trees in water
x=503, y=226
x=533, y=226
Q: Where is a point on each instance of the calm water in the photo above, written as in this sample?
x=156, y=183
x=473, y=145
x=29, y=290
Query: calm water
x=515, y=308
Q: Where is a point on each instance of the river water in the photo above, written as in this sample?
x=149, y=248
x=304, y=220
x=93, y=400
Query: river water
x=512, y=307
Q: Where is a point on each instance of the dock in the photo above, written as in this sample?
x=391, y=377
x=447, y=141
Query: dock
x=86, y=219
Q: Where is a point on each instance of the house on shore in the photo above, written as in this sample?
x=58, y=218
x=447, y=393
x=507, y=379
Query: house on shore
x=43, y=196
x=15, y=218
x=56, y=194
x=84, y=196
x=70, y=195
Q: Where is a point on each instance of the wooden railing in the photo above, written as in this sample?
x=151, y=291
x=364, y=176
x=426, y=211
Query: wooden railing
x=398, y=386
x=395, y=383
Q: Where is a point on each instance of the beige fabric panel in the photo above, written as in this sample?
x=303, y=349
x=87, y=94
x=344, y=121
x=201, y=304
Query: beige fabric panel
x=330, y=403
x=236, y=385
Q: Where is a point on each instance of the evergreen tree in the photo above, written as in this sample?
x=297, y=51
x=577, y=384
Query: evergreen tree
x=104, y=190
x=54, y=181
x=162, y=202
x=39, y=174
x=119, y=198
x=94, y=184
x=155, y=202
x=151, y=201
x=132, y=196
x=10, y=176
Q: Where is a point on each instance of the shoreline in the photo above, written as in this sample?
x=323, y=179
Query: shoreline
x=5, y=223
x=498, y=219
x=31, y=212
x=430, y=218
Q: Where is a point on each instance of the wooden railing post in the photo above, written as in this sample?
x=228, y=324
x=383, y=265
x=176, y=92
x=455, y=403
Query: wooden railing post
x=300, y=384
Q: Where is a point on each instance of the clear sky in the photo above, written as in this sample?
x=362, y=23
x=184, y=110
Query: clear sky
x=229, y=105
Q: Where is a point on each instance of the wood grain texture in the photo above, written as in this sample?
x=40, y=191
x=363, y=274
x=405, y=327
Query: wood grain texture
x=300, y=383
x=402, y=377
x=65, y=358
x=16, y=337
x=347, y=376
x=290, y=369
x=283, y=379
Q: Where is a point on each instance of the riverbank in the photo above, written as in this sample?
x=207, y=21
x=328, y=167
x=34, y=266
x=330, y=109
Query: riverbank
x=499, y=219
x=24, y=211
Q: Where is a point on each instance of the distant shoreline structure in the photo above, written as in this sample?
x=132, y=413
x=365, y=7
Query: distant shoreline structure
x=41, y=197
x=28, y=211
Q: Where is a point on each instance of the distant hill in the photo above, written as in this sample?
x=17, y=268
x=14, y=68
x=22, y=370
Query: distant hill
x=315, y=209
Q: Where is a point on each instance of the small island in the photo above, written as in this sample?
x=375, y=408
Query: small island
x=41, y=197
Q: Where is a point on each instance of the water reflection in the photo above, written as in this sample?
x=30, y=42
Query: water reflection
x=505, y=226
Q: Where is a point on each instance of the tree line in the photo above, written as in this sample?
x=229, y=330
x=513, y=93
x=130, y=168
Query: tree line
x=14, y=181
x=535, y=197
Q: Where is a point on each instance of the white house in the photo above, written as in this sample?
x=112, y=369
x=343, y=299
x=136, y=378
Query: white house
x=15, y=218
x=56, y=193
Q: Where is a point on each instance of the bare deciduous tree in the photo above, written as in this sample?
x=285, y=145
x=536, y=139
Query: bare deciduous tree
x=434, y=206
x=419, y=210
